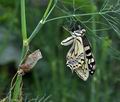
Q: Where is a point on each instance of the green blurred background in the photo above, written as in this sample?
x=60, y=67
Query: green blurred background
x=51, y=80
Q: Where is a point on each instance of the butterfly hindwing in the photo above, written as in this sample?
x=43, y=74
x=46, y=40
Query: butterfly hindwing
x=89, y=55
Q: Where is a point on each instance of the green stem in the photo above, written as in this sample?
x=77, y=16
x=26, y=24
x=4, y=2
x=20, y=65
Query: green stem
x=93, y=94
x=24, y=31
x=42, y=21
x=17, y=88
x=23, y=20
x=26, y=41
x=36, y=30
x=79, y=15
x=47, y=10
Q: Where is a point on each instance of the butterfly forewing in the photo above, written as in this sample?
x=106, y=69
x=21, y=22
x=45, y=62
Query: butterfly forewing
x=67, y=41
x=76, y=59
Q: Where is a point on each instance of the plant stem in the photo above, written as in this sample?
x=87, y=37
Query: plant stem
x=79, y=15
x=41, y=22
x=26, y=41
x=24, y=31
x=94, y=94
x=47, y=10
x=17, y=88
x=23, y=20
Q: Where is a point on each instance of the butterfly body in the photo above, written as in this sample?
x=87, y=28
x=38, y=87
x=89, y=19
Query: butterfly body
x=79, y=57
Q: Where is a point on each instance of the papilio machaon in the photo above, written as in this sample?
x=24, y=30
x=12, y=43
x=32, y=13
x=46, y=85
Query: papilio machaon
x=79, y=57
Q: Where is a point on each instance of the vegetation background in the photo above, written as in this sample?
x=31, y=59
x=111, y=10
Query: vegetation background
x=51, y=80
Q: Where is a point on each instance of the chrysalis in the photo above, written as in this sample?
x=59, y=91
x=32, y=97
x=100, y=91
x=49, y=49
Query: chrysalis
x=30, y=62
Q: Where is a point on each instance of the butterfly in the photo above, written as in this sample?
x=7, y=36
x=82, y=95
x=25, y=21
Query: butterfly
x=79, y=57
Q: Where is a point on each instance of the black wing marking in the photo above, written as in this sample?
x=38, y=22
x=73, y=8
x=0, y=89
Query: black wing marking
x=89, y=56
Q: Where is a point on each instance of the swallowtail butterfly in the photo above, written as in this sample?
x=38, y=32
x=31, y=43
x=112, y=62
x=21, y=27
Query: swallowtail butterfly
x=79, y=57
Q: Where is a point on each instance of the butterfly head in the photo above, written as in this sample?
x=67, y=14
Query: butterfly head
x=78, y=33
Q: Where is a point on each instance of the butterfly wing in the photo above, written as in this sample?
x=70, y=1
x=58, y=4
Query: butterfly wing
x=76, y=59
x=89, y=55
x=83, y=71
x=67, y=41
